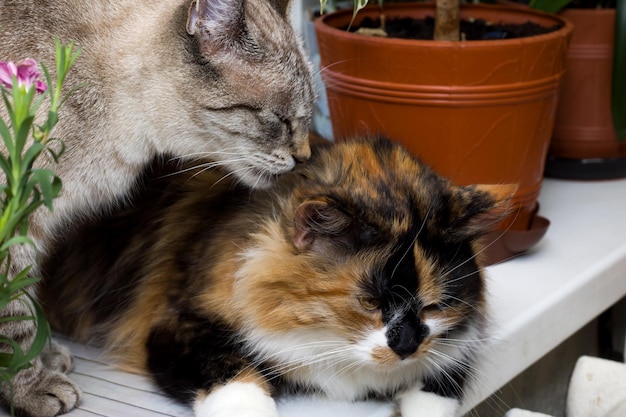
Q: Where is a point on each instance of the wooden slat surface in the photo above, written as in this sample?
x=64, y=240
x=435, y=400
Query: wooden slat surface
x=109, y=392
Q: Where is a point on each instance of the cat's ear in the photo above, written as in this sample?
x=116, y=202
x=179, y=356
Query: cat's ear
x=216, y=21
x=318, y=224
x=482, y=207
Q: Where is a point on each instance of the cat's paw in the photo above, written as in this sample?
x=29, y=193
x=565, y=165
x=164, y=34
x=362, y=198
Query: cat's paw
x=418, y=403
x=56, y=357
x=236, y=399
x=47, y=394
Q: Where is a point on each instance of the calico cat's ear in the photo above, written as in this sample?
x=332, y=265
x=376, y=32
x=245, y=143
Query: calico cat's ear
x=482, y=207
x=216, y=20
x=318, y=225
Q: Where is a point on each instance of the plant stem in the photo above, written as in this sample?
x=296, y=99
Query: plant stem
x=447, y=20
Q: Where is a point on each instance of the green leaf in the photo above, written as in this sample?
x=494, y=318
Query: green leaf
x=5, y=359
x=322, y=5
x=8, y=104
x=46, y=74
x=358, y=5
x=5, y=133
x=53, y=118
x=5, y=165
x=22, y=284
x=17, y=361
x=22, y=281
x=37, y=102
x=16, y=318
x=22, y=100
x=43, y=331
x=5, y=298
x=7, y=137
x=21, y=275
x=16, y=285
x=618, y=96
x=22, y=134
x=55, y=153
x=49, y=184
x=65, y=58
x=32, y=153
x=550, y=6
x=16, y=240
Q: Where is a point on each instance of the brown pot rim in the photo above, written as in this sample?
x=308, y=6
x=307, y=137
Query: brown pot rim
x=324, y=24
x=587, y=12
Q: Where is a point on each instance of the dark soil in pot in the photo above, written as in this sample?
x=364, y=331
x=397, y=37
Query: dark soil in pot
x=471, y=30
x=581, y=4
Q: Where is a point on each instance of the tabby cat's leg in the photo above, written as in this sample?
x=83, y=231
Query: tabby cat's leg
x=42, y=390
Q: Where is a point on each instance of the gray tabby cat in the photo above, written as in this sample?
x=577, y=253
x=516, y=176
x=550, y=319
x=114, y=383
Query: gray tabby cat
x=219, y=80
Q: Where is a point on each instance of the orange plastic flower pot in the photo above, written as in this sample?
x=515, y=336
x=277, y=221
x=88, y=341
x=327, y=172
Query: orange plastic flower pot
x=583, y=128
x=476, y=111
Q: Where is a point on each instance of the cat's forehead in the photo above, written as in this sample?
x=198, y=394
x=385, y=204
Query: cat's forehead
x=386, y=188
x=373, y=160
x=262, y=62
x=383, y=182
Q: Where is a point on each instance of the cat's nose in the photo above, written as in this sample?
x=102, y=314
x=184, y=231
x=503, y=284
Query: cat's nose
x=302, y=151
x=405, y=338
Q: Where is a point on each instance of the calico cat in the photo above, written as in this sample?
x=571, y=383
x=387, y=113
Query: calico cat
x=356, y=275
x=219, y=80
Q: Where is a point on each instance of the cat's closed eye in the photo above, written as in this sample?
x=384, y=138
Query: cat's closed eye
x=369, y=303
x=431, y=311
x=432, y=308
x=286, y=122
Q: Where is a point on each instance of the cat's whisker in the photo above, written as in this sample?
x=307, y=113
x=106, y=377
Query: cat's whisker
x=305, y=362
x=203, y=167
x=321, y=357
x=495, y=402
x=321, y=70
x=261, y=175
x=345, y=358
x=224, y=176
x=451, y=381
x=407, y=306
x=232, y=173
x=324, y=68
x=304, y=346
x=234, y=150
x=472, y=307
x=465, y=343
x=459, y=364
x=281, y=354
x=349, y=368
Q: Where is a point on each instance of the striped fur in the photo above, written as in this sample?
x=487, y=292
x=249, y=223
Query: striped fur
x=356, y=275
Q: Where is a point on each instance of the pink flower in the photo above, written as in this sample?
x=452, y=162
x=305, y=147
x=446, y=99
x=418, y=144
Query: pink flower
x=25, y=71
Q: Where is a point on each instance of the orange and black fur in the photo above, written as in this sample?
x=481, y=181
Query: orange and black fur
x=356, y=275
